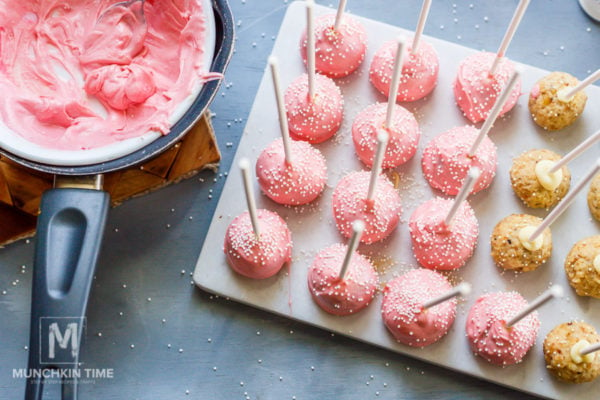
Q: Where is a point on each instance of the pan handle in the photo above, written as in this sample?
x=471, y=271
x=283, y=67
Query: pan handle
x=68, y=239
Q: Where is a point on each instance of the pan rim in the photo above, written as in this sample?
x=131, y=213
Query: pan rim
x=223, y=49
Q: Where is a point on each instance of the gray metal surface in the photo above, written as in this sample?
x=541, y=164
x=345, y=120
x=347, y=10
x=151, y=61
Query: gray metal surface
x=231, y=351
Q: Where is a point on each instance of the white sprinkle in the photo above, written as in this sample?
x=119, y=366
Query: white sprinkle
x=149, y=299
x=132, y=346
x=214, y=368
x=163, y=320
x=209, y=340
x=169, y=345
x=588, y=29
x=25, y=348
x=258, y=333
x=181, y=350
x=241, y=383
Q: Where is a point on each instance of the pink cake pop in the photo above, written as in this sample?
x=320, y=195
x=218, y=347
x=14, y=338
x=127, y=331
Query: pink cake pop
x=340, y=280
x=446, y=160
x=419, y=71
x=257, y=242
x=295, y=183
x=475, y=90
x=340, y=44
x=438, y=245
x=489, y=335
x=404, y=312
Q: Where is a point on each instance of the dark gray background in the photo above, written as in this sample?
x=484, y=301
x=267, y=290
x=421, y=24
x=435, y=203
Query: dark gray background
x=142, y=302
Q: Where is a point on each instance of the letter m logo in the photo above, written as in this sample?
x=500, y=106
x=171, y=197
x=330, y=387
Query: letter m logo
x=59, y=339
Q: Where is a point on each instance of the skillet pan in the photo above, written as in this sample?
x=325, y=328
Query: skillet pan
x=71, y=224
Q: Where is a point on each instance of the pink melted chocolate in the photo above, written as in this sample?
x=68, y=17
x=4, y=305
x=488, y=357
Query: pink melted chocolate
x=72, y=81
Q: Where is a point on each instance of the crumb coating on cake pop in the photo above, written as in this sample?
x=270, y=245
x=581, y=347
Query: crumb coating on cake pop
x=507, y=249
x=583, y=273
x=419, y=70
x=404, y=134
x=487, y=332
x=437, y=246
x=339, y=52
x=593, y=197
x=475, y=91
x=446, y=162
x=347, y=296
x=402, y=307
x=527, y=186
x=547, y=110
x=381, y=215
x=557, y=352
x=253, y=257
x=313, y=120
x=295, y=183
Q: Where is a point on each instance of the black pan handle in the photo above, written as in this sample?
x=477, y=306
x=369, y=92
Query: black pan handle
x=69, y=234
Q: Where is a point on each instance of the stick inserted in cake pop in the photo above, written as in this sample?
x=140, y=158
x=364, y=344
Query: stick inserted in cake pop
x=244, y=165
x=494, y=112
x=565, y=94
x=310, y=48
x=510, y=32
x=467, y=186
x=358, y=227
x=420, y=25
x=283, y=122
x=554, y=291
x=462, y=289
x=339, y=14
x=565, y=203
x=382, y=140
x=396, y=74
x=576, y=152
x=590, y=349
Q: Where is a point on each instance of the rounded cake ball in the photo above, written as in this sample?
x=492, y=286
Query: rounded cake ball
x=254, y=257
x=404, y=134
x=511, y=248
x=338, y=52
x=436, y=245
x=295, y=183
x=446, y=160
x=402, y=308
x=582, y=266
x=381, y=215
x=488, y=335
x=561, y=352
x=593, y=197
x=419, y=70
x=532, y=181
x=341, y=296
x=475, y=91
x=318, y=119
x=550, y=110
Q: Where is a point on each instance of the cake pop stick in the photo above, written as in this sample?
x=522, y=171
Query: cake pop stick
x=590, y=349
x=244, y=165
x=510, y=32
x=310, y=48
x=566, y=202
x=462, y=289
x=420, y=25
x=567, y=93
x=494, y=112
x=397, y=72
x=358, y=227
x=339, y=14
x=467, y=186
x=576, y=152
x=382, y=140
x=552, y=292
x=283, y=122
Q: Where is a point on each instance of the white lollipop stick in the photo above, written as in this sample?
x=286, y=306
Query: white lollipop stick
x=465, y=190
x=420, y=25
x=310, y=48
x=357, y=230
x=590, y=349
x=552, y=292
x=244, y=165
x=510, y=32
x=283, y=122
x=565, y=95
x=494, y=112
x=576, y=152
x=566, y=202
x=382, y=140
x=397, y=72
x=462, y=289
x=339, y=14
